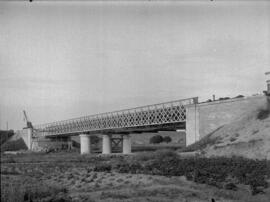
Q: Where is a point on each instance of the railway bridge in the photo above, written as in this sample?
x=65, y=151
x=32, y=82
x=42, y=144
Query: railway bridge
x=196, y=119
x=168, y=116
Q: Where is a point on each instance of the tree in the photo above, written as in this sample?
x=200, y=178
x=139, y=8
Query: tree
x=167, y=139
x=224, y=98
x=156, y=139
x=239, y=96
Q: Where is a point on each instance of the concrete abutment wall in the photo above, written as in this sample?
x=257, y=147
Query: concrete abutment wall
x=26, y=134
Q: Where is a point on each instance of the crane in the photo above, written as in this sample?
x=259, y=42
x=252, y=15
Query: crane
x=28, y=123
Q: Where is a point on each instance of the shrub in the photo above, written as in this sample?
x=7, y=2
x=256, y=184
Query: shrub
x=167, y=139
x=102, y=167
x=14, y=145
x=239, y=96
x=156, y=139
x=131, y=167
x=144, y=156
x=20, y=192
x=230, y=186
x=203, y=143
x=164, y=154
x=220, y=171
x=5, y=135
x=212, y=171
x=232, y=139
x=8, y=159
x=263, y=114
x=224, y=98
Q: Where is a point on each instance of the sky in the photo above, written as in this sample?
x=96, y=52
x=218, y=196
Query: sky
x=65, y=59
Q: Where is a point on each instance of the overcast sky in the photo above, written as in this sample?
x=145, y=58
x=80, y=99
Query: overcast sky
x=60, y=60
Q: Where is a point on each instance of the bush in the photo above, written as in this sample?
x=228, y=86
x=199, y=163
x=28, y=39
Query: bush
x=102, y=167
x=144, y=156
x=5, y=135
x=15, y=145
x=263, y=114
x=232, y=139
x=224, y=98
x=239, y=96
x=164, y=154
x=167, y=139
x=156, y=139
x=19, y=192
x=208, y=140
x=221, y=172
x=8, y=159
x=230, y=186
x=211, y=171
x=132, y=167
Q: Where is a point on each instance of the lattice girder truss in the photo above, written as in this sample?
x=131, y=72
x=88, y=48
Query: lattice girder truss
x=151, y=115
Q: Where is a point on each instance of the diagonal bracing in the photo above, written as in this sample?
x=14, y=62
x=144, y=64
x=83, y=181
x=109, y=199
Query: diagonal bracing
x=150, y=115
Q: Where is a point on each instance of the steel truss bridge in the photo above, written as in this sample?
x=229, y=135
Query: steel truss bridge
x=157, y=117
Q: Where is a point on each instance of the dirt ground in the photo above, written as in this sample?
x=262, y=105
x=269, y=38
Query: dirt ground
x=70, y=177
x=249, y=137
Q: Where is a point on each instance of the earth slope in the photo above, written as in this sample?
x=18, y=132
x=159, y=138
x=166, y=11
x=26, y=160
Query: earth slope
x=248, y=136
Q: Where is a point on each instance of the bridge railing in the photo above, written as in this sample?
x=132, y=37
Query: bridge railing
x=162, y=113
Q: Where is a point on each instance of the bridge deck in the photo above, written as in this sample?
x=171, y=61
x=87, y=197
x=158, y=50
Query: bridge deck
x=162, y=116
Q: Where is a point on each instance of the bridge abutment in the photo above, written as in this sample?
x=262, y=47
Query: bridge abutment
x=106, y=144
x=126, y=144
x=192, y=124
x=204, y=118
x=85, y=141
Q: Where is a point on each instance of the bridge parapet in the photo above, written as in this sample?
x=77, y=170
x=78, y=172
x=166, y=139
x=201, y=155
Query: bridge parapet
x=150, y=115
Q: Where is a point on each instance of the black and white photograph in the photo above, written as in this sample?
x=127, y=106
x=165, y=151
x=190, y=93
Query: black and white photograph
x=135, y=100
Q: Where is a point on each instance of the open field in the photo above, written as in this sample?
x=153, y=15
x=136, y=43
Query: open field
x=75, y=177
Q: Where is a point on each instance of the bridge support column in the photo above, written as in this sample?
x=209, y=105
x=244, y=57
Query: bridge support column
x=29, y=138
x=106, y=144
x=126, y=144
x=85, y=144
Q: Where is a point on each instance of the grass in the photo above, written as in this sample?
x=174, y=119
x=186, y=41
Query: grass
x=129, y=177
x=212, y=171
x=14, y=145
x=208, y=140
x=156, y=147
x=232, y=139
x=17, y=192
x=5, y=135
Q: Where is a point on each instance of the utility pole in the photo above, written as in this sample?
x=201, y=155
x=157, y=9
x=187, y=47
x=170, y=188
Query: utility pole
x=7, y=125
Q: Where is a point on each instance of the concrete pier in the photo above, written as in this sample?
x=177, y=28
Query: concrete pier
x=29, y=138
x=106, y=144
x=126, y=144
x=85, y=144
